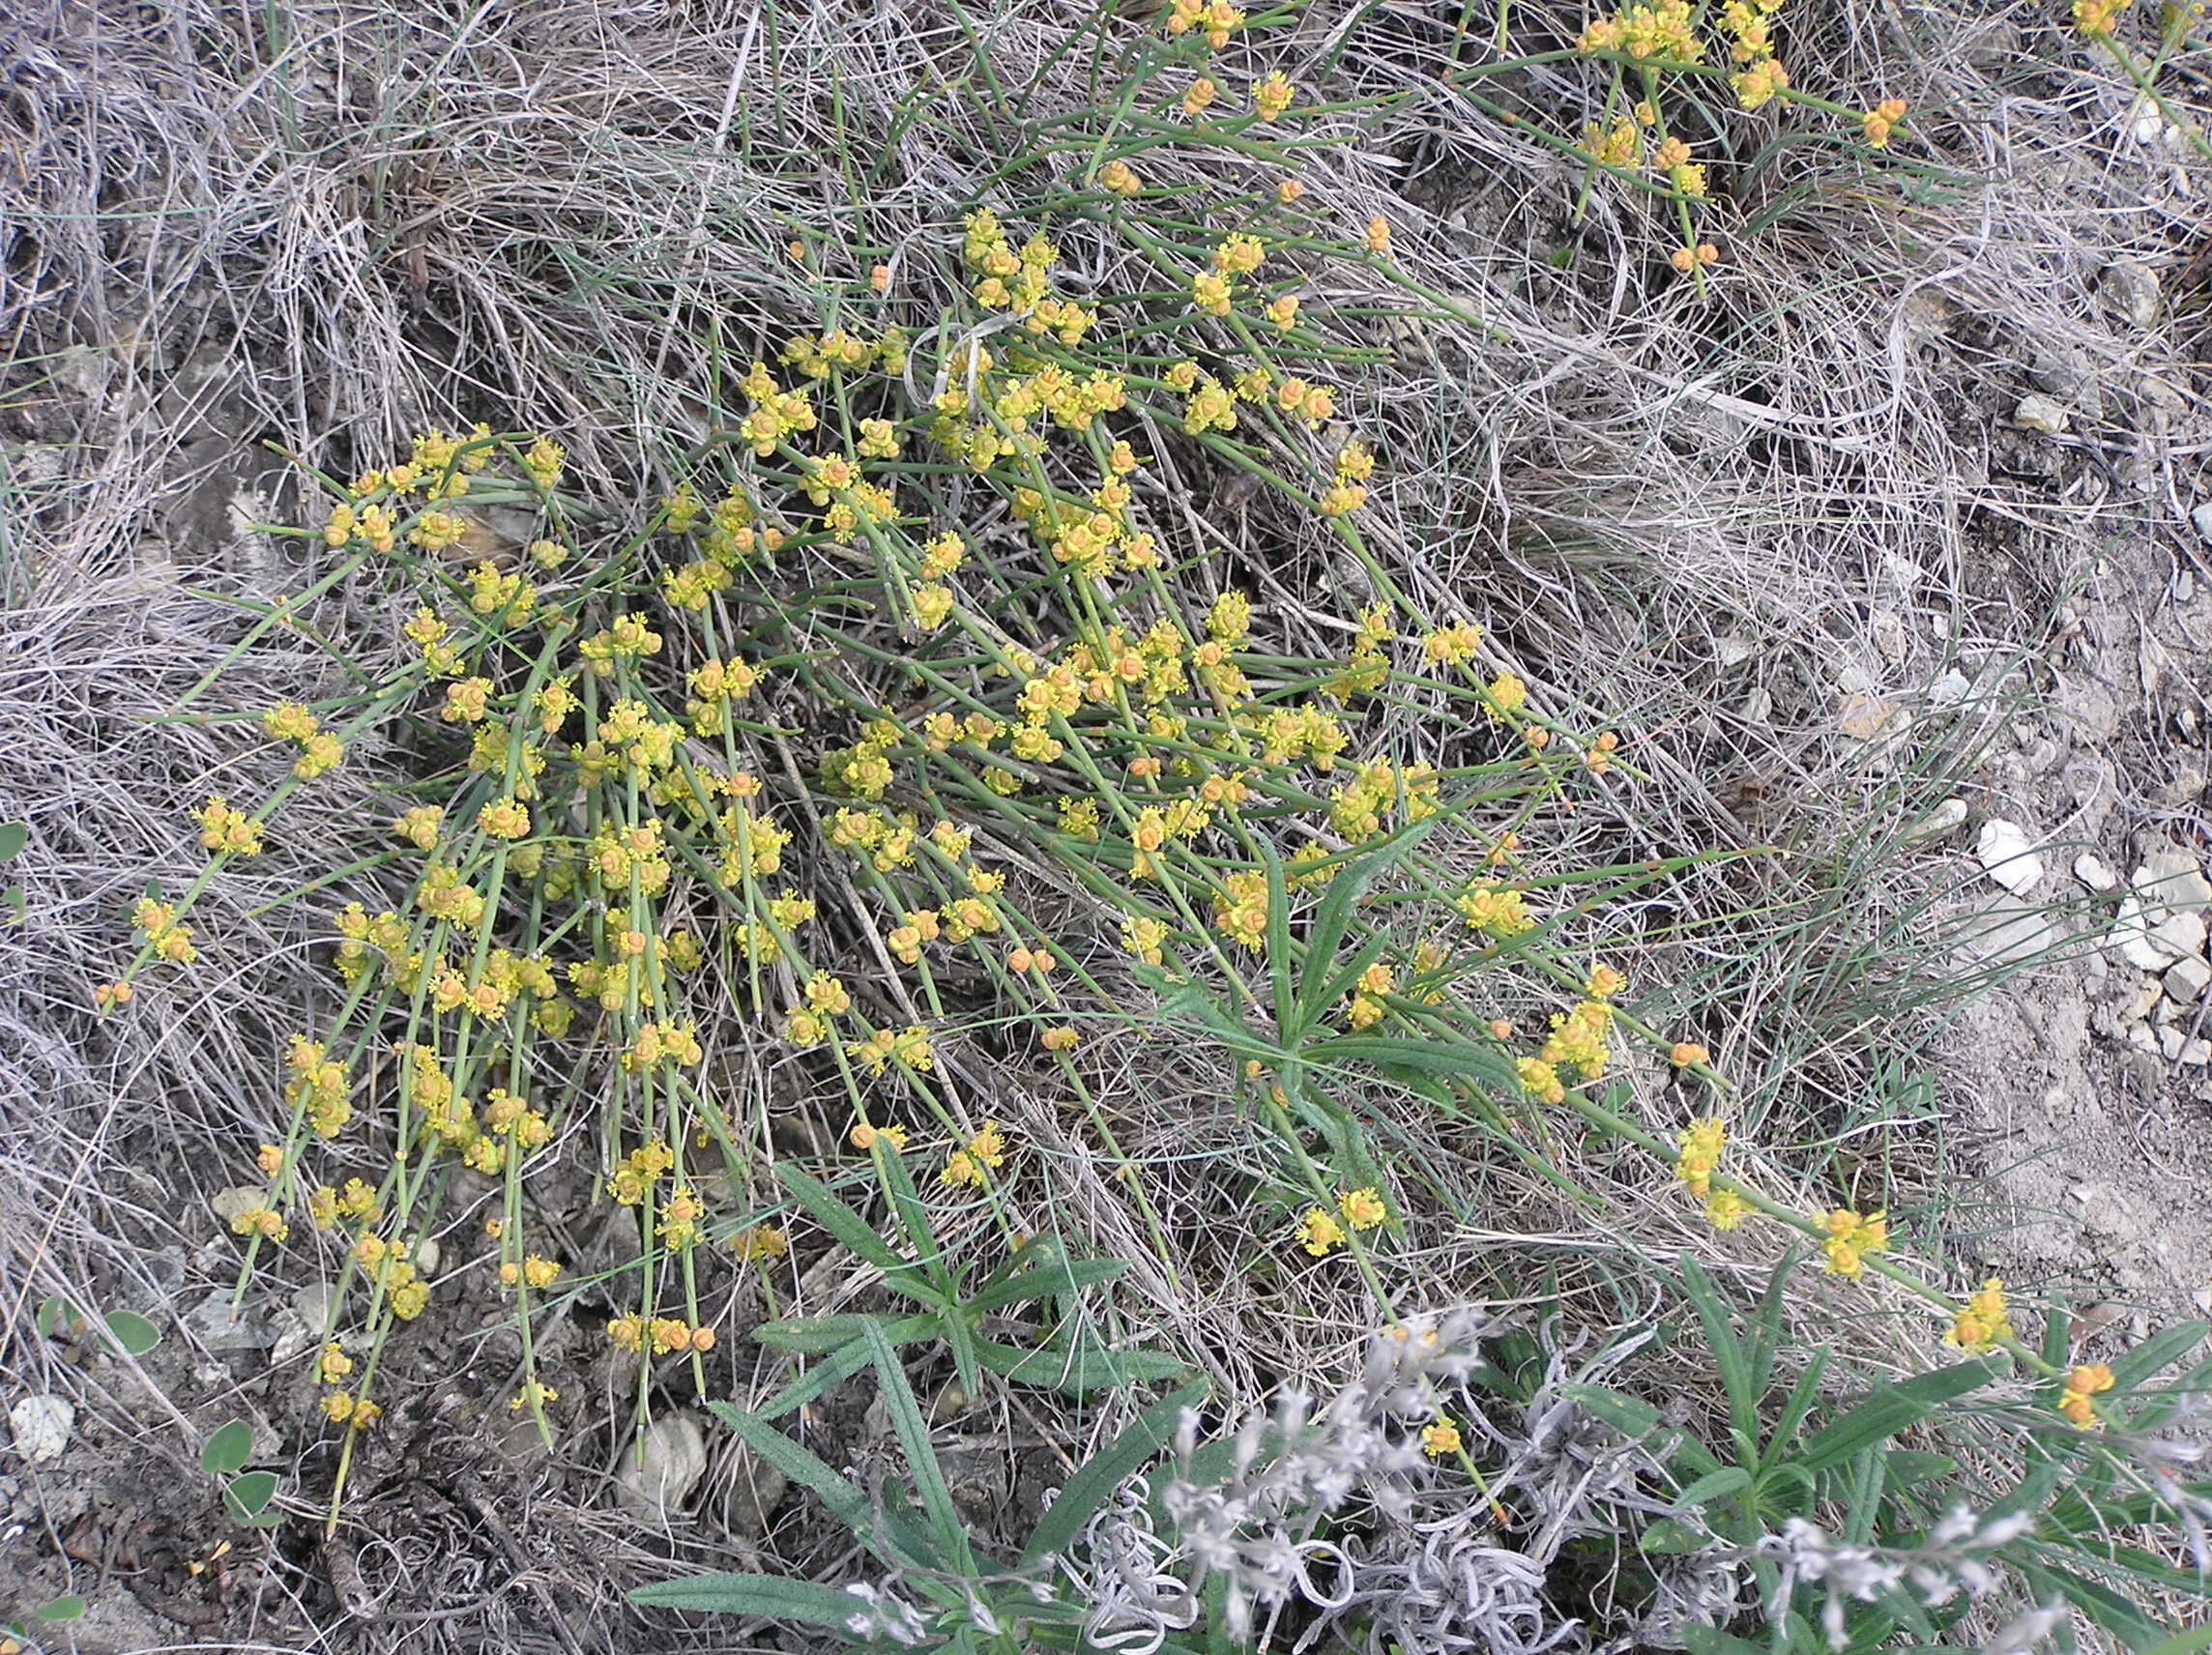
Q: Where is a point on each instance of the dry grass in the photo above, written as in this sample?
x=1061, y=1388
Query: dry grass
x=1704, y=518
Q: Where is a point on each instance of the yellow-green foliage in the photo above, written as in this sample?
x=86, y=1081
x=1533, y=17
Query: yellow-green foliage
x=924, y=639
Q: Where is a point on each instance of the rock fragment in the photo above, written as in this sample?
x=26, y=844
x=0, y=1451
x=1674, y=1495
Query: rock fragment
x=2187, y=980
x=210, y=1322
x=2132, y=289
x=42, y=1426
x=2160, y=922
x=2007, y=853
x=2093, y=871
x=1946, y=817
x=660, y=1471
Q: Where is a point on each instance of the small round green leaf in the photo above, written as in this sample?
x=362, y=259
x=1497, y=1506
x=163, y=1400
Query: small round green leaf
x=60, y=1609
x=132, y=1331
x=13, y=835
x=228, y=1449
x=246, y=1498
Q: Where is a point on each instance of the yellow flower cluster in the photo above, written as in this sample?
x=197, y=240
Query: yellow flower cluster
x=1360, y=808
x=1620, y=145
x=1320, y=1232
x=633, y=1180
x=1540, y=1080
x=388, y=1263
x=444, y=894
x=168, y=937
x=1985, y=1322
x=1882, y=120
x=262, y=1221
x=663, y=1335
x=1240, y=908
x=1698, y=1155
x=319, y=1087
x=1650, y=31
x=987, y=1148
x=1748, y=25
x=420, y=826
x=1494, y=908
x=1578, y=1039
x=1020, y=282
x=910, y=1047
x=226, y=830
x=507, y=818
x=761, y=1241
x=658, y=1043
x=1452, y=645
x=1367, y=1008
x=680, y=1216
x=531, y=1272
x=1673, y=157
x=1347, y=494
x=1216, y=19
x=511, y=1117
x=1851, y=1236
x=342, y=1408
x=2098, y=18
x=626, y=639
x=1726, y=1209
x=356, y=1202
x=2076, y=1397
x=319, y=749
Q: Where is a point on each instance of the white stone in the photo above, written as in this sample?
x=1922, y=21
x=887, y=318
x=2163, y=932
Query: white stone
x=2162, y=919
x=2172, y=878
x=428, y=1255
x=210, y=1324
x=2012, y=935
x=660, y=1471
x=2132, y=289
x=2188, y=980
x=2201, y=519
x=227, y=1204
x=2177, y=1047
x=301, y=1324
x=42, y=1426
x=2004, y=851
x=2151, y=939
x=2038, y=413
x=2093, y=871
x=1949, y=690
x=1945, y=817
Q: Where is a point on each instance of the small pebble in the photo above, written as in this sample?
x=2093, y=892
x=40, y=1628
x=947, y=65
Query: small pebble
x=1943, y=819
x=2093, y=871
x=2004, y=851
x=2188, y=979
x=2038, y=413
x=42, y=1426
x=227, y=1204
